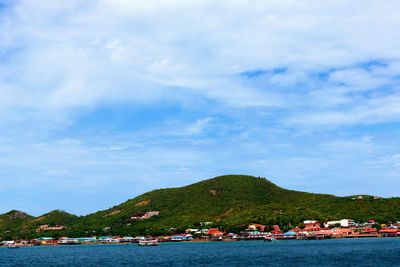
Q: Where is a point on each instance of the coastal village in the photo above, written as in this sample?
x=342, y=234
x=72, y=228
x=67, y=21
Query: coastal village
x=309, y=230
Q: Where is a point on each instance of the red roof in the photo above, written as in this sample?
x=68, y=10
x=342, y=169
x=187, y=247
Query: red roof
x=214, y=231
x=389, y=230
x=369, y=230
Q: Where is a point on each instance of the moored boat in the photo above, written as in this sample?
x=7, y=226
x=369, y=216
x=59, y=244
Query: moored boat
x=148, y=242
x=13, y=246
x=270, y=239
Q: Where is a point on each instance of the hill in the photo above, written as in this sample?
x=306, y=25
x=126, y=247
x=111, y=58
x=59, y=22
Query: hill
x=230, y=201
x=12, y=221
x=15, y=224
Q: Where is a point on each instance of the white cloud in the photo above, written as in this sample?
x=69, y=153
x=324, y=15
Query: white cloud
x=200, y=125
x=82, y=54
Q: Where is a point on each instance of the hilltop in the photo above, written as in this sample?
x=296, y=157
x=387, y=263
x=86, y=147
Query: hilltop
x=230, y=201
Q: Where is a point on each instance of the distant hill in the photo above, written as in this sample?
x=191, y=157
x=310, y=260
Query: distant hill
x=12, y=221
x=16, y=224
x=230, y=201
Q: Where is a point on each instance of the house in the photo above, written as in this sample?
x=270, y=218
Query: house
x=256, y=227
x=312, y=225
x=68, y=241
x=145, y=215
x=109, y=239
x=46, y=227
x=296, y=230
x=341, y=223
x=7, y=243
x=332, y=223
x=347, y=223
x=214, y=232
x=389, y=231
x=181, y=237
x=190, y=230
x=232, y=236
x=276, y=230
x=127, y=239
x=325, y=232
x=87, y=239
x=342, y=231
x=310, y=222
x=369, y=230
x=44, y=241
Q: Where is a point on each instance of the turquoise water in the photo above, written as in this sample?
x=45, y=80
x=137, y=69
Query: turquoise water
x=342, y=252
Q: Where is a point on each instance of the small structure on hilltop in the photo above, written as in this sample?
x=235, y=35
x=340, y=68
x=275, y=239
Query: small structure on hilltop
x=144, y=215
x=46, y=227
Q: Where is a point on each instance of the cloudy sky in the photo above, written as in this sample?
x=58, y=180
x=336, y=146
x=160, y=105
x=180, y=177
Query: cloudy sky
x=102, y=100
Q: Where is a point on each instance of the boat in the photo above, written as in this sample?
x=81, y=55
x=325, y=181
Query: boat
x=148, y=242
x=68, y=241
x=217, y=238
x=270, y=239
x=13, y=246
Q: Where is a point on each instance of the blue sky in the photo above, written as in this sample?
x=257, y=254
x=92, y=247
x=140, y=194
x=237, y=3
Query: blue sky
x=103, y=100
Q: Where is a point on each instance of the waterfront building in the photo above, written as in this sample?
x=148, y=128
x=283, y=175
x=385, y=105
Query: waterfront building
x=181, y=237
x=256, y=227
x=347, y=223
x=214, y=232
x=389, y=231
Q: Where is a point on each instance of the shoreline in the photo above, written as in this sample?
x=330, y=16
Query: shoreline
x=199, y=241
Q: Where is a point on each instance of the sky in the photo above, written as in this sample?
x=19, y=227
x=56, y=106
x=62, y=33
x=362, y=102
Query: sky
x=103, y=100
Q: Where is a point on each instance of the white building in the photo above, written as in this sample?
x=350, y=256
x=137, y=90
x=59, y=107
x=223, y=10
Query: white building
x=347, y=223
x=310, y=222
x=342, y=223
x=332, y=223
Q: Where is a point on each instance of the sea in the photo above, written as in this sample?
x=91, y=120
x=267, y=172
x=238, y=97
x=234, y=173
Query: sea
x=334, y=252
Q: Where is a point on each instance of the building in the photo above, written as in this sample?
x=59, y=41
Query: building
x=332, y=223
x=214, y=232
x=347, y=223
x=46, y=227
x=342, y=231
x=87, y=239
x=68, y=241
x=256, y=227
x=45, y=241
x=181, y=237
x=146, y=215
x=341, y=223
x=312, y=225
x=277, y=230
x=389, y=231
x=310, y=222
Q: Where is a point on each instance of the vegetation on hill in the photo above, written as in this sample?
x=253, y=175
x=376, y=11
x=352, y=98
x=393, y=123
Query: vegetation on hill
x=230, y=202
x=11, y=223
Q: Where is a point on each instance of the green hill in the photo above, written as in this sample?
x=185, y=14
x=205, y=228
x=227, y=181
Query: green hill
x=11, y=223
x=16, y=224
x=230, y=201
